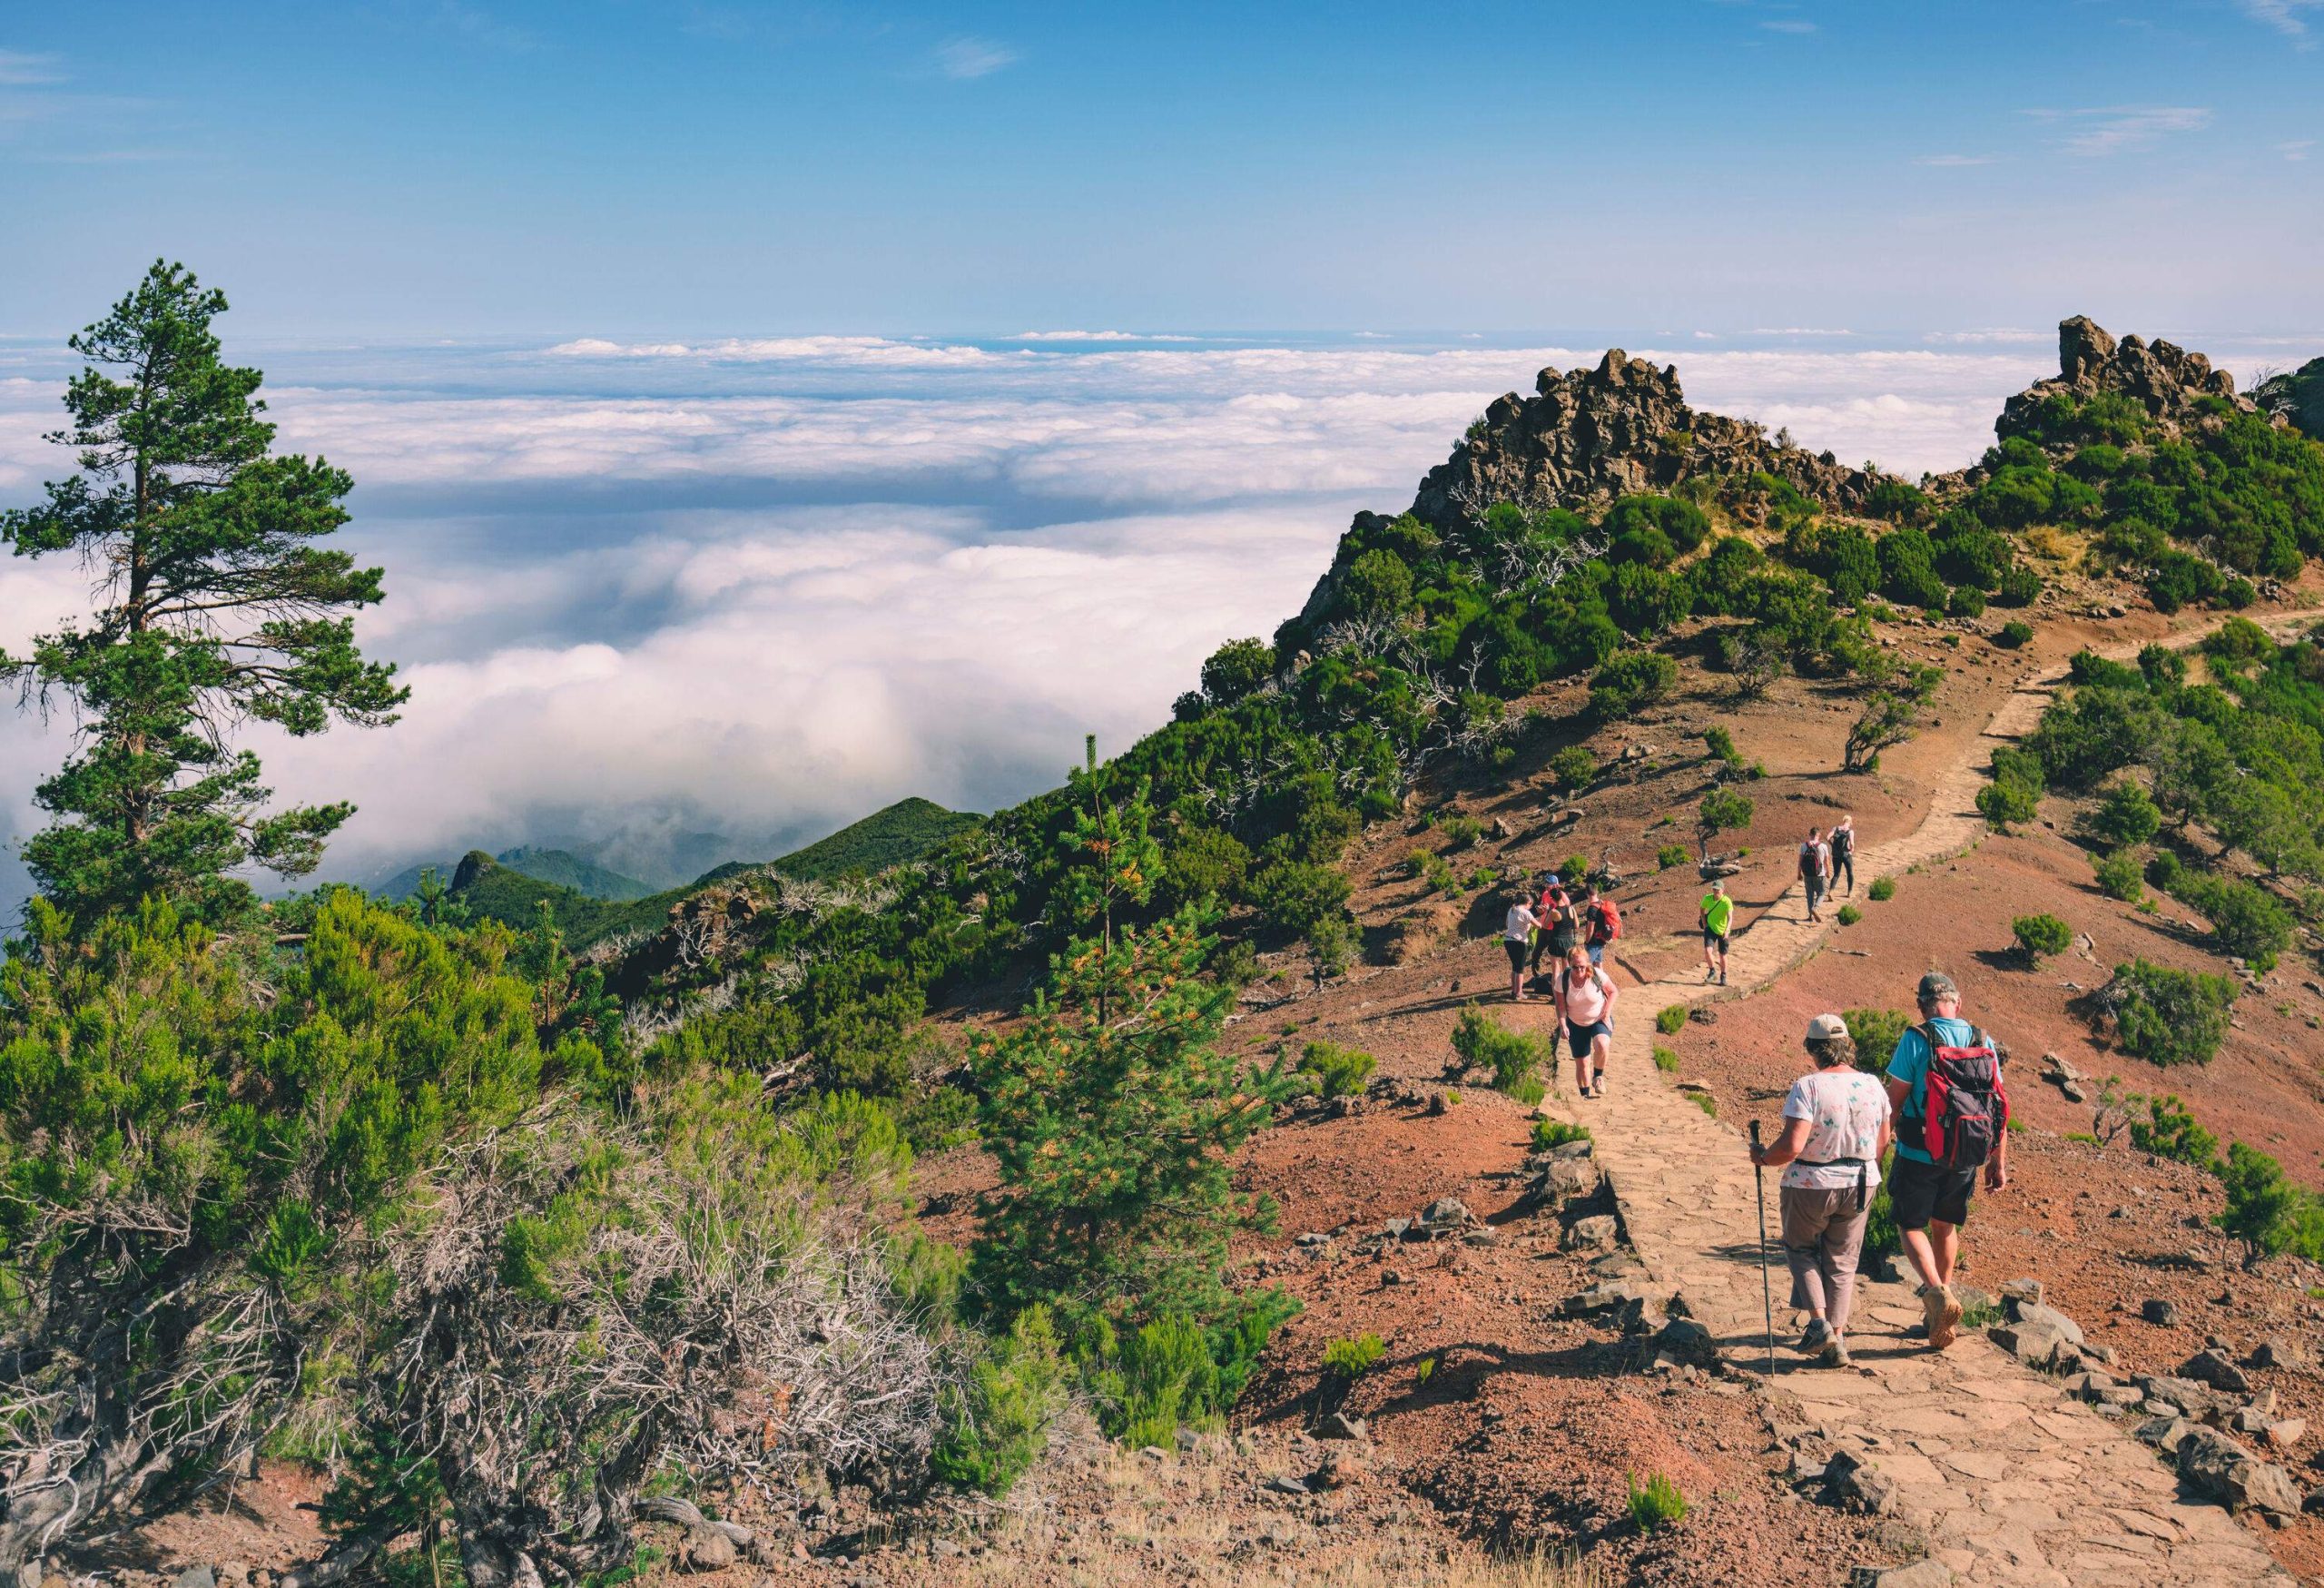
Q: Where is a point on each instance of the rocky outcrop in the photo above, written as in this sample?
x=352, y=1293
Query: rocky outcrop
x=2297, y=396
x=2167, y=380
x=1589, y=436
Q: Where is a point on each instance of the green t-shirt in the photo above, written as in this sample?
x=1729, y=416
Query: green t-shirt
x=1718, y=908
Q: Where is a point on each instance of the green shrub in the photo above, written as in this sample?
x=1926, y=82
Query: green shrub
x=1574, y=868
x=2118, y=876
x=1549, y=1133
x=1168, y=1379
x=2125, y=817
x=1293, y=896
x=1671, y=854
x=1347, y=1360
x=1665, y=1059
x=2019, y=586
x=1876, y=1033
x=2268, y=1212
x=1481, y=1042
x=1629, y=680
x=1883, y=889
x=1460, y=831
x=2016, y=632
x=1339, y=1071
x=2167, y=1016
x=1707, y=1103
x=1849, y=915
x=2247, y=921
x=1670, y=1018
x=2005, y=804
x=1723, y=810
x=2169, y=1130
x=1574, y=767
x=1881, y=1236
x=1966, y=601
x=2041, y=934
x=1656, y=1504
x=1721, y=745
x=996, y=1422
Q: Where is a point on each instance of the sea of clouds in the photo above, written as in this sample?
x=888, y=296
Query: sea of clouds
x=762, y=587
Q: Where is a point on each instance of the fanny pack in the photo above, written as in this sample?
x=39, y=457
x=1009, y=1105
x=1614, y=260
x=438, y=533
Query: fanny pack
x=1863, y=1172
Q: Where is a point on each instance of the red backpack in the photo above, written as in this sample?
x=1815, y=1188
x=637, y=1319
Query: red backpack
x=1606, y=922
x=1965, y=1108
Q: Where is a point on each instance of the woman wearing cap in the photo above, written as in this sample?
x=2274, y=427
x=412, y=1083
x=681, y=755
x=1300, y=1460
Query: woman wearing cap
x=1836, y=1127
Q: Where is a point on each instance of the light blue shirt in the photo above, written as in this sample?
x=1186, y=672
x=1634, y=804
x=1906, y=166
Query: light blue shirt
x=1910, y=1063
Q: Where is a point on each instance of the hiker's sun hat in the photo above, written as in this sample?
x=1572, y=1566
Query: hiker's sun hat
x=1936, y=987
x=1826, y=1028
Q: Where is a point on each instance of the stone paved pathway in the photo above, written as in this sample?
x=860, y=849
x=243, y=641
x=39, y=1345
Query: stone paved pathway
x=2011, y=1481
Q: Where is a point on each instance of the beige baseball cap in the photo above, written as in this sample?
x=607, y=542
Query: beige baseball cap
x=1824, y=1027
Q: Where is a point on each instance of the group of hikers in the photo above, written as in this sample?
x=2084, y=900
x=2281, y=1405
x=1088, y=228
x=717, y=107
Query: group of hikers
x=1940, y=1104
x=1571, y=927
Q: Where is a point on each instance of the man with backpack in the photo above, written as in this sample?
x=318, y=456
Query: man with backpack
x=1815, y=872
x=1843, y=848
x=1944, y=1082
x=1601, y=923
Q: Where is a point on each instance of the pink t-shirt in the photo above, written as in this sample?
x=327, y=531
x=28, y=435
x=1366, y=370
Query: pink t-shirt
x=1587, y=998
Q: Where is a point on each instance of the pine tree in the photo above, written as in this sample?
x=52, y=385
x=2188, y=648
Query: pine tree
x=1115, y=1134
x=1110, y=856
x=212, y=607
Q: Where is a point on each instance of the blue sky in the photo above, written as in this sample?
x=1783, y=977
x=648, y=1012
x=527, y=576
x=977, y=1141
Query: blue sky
x=425, y=168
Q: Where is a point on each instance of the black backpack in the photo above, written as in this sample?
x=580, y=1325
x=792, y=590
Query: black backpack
x=1843, y=841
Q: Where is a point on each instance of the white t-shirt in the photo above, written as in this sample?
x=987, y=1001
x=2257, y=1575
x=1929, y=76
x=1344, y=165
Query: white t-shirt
x=1844, y=1109
x=1521, y=922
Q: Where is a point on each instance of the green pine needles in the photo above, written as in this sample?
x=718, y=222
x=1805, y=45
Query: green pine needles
x=215, y=605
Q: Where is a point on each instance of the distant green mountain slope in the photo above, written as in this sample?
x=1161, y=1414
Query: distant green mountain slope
x=568, y=870
x=904, y=831
x=560, y=866
x=2298, y=395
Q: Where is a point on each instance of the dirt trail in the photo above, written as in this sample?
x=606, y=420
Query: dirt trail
x=2012, y=1480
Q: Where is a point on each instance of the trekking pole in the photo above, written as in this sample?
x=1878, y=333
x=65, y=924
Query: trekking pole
x=1766, y=1296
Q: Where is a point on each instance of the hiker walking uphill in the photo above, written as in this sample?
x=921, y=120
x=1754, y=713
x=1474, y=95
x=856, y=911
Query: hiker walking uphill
x=1585, y=997
x=1718, y=915
x=1944, y=1082
x=1601, y=922
x=1517, y=936
x=1836, y=1127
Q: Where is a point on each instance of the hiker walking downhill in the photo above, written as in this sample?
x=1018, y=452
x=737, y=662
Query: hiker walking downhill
x=1842, y=845
x=1585, y=996
x=1517, y=936
x=1718, y=915
x=1836, y=1127
x=1945, y=1081
x=1815, y=872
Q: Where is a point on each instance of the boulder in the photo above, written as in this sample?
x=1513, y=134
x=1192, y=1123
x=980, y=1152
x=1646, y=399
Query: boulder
x=2277, y=1353
x=1445, y=1211
x=2022, y=1292
x=1603, y=1298
x=2211, y=1367
x=1854, y=1485
x=2165, y=1433
x=1565, y=1180
x=1340, y=1426
x=2036, y=1316
x=706, y=1549
x=1598, y=1230
x=2034, y=1344
x=1341, y=1467
x=2162, y=1314
x=1919, y=1574
x=1682, y=1339
x=2219, y=1468
x=198, y=1576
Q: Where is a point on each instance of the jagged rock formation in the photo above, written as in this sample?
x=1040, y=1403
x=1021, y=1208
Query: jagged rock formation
x=1589, y=436
x=2167, y=380
x=2297, y=396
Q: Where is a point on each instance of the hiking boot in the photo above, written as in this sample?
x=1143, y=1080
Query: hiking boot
x=1818, y=1338
x=1723, y=978
x=1835, y=1354
x=1941, y=1311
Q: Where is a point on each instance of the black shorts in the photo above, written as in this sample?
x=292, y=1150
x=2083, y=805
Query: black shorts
x=1516, y=947
x=1921, y=1192
x=1714, y=940
x=1579, y=1037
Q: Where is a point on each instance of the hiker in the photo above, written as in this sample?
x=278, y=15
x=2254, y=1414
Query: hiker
x=1842, y=845
x=1718, y=914
x=1517, y=937
x=1565, y=930
x=1546, y=910
x=1601, y=922
x=1836, y=1127
x=1815, y=872
x=1585, y=997
x=1944, y=1083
